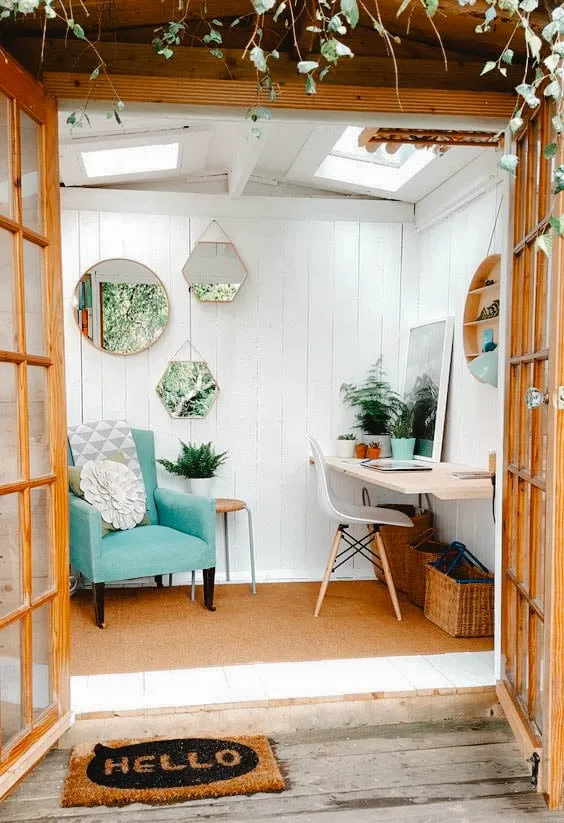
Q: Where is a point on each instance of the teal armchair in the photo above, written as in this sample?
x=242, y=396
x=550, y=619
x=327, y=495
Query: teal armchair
x=181, y=537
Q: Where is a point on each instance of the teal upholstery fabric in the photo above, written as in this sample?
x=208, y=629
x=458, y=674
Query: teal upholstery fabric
x=181, y=536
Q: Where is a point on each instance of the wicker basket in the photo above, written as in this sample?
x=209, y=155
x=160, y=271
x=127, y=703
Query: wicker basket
x=424, y=549
x=460, y=609
x=396, y=541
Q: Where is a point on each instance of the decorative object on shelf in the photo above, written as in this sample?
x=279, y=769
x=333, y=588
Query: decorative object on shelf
x=214, y=270
x=375, y=403
x=487, y=340
x=490, y=311
x=482, y=308
x=198, y=464
x=115, y=492
x=345, y=445
x=121, y=306
x=485, y=367
x=401, y=432
x=374, y=450
x=427, y=371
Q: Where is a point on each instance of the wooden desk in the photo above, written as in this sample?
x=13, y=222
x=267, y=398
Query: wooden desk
x=439, y=481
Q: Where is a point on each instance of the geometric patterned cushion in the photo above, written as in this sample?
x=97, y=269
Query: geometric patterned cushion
x=101, y=439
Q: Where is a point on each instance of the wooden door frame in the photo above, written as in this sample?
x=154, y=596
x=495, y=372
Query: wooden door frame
x=24, y=93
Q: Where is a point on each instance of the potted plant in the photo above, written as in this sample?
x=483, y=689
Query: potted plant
x=374, y=450
x=401, y=431
x=344, y=446
x=424, y=401
x=375, y=403
x=198, y=464
x=360, y=450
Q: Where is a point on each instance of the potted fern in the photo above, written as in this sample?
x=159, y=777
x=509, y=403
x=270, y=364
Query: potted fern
x=198, y=464
x=401, y=431
x=375, y=404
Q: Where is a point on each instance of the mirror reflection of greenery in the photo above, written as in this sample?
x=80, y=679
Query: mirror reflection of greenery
x=134, y=315
x=219, y=292
x=188, y=388
x=424, y=401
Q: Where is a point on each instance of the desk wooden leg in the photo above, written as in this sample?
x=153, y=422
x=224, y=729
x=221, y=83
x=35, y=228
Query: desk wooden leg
x=328, y=570
x=388, y=574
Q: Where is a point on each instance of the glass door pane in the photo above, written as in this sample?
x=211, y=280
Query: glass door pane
x=41, y=541
x=35, y=317
x=10, y=466
x=31, y=183
x=38, y=419
x=7, y=290
x=11, y=593
x=5, y=158
x=11, y=704
x=41, y=652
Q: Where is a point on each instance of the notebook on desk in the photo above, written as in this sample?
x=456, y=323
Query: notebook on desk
x=385, y=465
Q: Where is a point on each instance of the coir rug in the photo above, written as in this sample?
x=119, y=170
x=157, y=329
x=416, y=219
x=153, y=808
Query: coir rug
x=157, y=771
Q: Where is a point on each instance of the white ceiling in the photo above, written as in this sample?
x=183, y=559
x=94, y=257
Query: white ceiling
x=221, y=154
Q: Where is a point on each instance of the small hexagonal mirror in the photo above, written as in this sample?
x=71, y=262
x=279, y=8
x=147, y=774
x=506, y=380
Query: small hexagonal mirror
x=187, y=388
x=214, y=270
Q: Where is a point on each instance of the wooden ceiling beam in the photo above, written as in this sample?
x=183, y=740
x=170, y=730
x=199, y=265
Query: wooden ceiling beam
x=197, y=63
x=242, y=94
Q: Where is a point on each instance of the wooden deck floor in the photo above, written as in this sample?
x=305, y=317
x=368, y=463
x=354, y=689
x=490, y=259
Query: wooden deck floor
x=417, y=773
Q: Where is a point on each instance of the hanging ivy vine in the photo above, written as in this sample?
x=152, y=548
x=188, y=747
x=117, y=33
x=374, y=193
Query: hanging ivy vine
x=543, y=71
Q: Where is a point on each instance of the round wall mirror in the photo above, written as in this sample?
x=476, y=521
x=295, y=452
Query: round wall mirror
x=121, y=306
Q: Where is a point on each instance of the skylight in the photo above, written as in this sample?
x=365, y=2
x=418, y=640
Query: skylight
x=130, y=160
x=350, y=163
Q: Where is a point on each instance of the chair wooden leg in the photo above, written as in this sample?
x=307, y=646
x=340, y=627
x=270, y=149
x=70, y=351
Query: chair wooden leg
x=159, y=581
x=388, y=574
x=209, y=582
x=328, y=570
x=98, y=590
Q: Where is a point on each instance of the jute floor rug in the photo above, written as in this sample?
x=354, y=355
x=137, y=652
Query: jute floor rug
x=157, y=771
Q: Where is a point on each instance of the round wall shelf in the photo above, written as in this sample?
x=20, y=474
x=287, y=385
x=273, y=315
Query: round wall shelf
x=481, y=295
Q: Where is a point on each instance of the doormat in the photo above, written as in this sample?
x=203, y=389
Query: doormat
x=157, y=771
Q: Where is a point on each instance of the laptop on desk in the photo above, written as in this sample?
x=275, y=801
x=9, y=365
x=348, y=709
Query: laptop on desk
x=387, y=465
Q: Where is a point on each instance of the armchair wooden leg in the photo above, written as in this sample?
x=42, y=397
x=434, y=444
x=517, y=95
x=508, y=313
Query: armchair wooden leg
x=209, y=582
x=98, y=590
x=159, y=581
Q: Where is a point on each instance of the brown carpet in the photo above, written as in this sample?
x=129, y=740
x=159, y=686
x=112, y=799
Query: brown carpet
x=154, y=629
x=157, y=771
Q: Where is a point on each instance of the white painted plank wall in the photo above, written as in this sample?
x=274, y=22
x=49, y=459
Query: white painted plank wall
x=448, y=253
x=321, y=301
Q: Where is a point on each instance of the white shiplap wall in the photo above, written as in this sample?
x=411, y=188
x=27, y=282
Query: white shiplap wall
x=448, y=253
x=321, y=301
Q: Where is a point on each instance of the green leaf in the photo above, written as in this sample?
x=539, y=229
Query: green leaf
x=117, y=118
x=550, y=151
x=403, y=6
x=217, y=22
x=509, y=163
x=507, y=56
x=553, y=90
x=310, y=85
x=551, y=62
x=549, y=31
x=527, y=92
x=166, y=52
x=334, y=24
x=71, y=119
x=529, y=5
x=235, y=22
x=258, y=113
x=258, y=57
x=489, y=66
x=558, y=48
x=305, y=66
x=534, y=42
x=557, y=223
x=213, y=36
x=558, y=179
x=279, y=11
x=262, y=6
x=342, y=50
x=431, y=7
x=558, y=123
x=515, y=124
x=329, y=51
x=275, y=54
x=349, y=8
x=314, y=29
x=324, y=72
x=217, y=53
x=543, y=244
x=77, y=30
x=95, y=73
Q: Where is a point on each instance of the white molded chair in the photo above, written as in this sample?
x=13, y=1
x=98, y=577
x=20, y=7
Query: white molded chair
x=346, y=515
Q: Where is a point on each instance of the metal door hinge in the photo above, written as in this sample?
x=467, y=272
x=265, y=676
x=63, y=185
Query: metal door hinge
x=560, y=403
x=534, y=760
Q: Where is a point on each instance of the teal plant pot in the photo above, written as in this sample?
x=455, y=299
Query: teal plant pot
x=403, y=448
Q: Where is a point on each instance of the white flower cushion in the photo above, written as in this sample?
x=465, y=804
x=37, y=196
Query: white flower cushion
x=115, y=491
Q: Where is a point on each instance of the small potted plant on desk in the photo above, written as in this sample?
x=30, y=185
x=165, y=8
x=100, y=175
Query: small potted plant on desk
x=374, y=450
x=344, y=446
x=199, y=464
x=401, y=431
x=375, y=403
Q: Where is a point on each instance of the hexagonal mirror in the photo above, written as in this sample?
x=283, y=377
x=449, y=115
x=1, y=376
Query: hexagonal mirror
x=214, y=270
x=187, y=388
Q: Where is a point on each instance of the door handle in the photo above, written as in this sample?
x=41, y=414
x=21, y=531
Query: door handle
x=535, y=397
